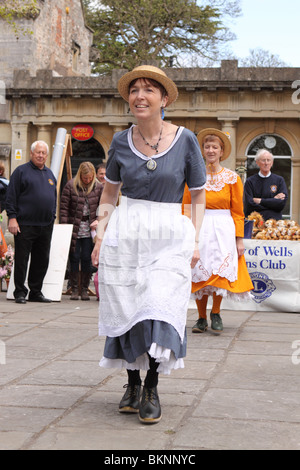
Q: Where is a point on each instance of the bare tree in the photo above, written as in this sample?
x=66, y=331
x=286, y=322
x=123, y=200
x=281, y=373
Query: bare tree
x=261, y=58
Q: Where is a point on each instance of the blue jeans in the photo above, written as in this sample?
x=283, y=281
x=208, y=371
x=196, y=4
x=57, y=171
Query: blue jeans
x=82, y=255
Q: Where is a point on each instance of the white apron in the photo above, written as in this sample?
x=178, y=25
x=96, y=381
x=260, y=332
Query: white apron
x=144, y=266
x=217, y=246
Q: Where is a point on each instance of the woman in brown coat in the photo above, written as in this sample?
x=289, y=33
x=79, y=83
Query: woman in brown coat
x=79, y=202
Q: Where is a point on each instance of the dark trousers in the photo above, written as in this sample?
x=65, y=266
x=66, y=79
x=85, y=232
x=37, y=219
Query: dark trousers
x=82, y=255
x=34, y=241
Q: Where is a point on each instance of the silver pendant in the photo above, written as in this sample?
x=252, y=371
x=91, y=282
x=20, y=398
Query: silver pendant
x=151, y=164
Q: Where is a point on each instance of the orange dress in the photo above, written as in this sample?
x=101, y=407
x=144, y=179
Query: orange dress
x=219, y=269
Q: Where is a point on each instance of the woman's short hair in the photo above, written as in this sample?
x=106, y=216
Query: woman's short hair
x=153, y=83
x=211, y=138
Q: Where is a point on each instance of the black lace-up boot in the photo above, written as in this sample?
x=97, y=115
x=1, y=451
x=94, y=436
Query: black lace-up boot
x=131, y=399
x=150, y=410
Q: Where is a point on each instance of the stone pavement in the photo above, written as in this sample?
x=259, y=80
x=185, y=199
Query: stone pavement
x=240, y=390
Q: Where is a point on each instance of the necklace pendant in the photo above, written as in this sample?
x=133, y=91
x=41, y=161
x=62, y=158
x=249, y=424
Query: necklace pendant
x=151, y=164
x=155, y=147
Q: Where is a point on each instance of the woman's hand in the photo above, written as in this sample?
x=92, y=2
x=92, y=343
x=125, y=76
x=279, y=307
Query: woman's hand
x=93, y=225
x=198, y=208
x=240, y=246
x=96, y=252
x=196, y=256
x=107, y=205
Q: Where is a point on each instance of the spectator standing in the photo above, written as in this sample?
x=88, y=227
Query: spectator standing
x=265, y=192
x=31, y=211
x=100, y=173
x=3, y=187
x=79, y=202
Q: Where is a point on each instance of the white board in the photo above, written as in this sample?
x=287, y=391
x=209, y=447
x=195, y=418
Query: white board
x=274, y=267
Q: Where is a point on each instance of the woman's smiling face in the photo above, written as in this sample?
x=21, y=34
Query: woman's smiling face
x=145, y=99
x=212, y=150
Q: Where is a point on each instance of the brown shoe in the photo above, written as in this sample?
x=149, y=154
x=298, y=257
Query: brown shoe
x=74, y=279
x=85, y=282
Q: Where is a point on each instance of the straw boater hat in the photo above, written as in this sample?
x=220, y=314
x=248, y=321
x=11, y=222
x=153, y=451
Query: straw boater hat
x=148, y=71
x=222, y=135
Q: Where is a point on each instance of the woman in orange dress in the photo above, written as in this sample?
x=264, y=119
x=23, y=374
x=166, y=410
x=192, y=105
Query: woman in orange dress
x=221, y=271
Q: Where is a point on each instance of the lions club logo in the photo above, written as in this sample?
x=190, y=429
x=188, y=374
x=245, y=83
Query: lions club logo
x=50, y=181
x=263, y=287
x=273, y=188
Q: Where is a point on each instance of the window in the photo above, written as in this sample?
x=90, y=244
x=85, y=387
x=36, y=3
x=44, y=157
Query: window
x=282, y=153
x=90, y=150
x=76, y=51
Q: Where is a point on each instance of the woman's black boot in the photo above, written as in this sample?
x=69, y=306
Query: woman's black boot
x=150, y=410
x=131, y=399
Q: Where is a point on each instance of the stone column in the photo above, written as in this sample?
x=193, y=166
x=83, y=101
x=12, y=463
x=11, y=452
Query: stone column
x=20, y=145
x=118, y=127
x=240, y=167
x=44, y=132
x=229, y=125
x=295, y=210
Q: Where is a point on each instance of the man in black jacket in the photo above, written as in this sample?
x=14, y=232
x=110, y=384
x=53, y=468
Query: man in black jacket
x=265, y=192
x=3, y=187
x=31, y=209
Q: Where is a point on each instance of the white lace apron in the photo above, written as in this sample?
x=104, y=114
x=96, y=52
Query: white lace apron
x=217, y=246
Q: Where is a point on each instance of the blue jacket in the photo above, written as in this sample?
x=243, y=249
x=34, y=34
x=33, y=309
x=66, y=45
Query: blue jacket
x=31, y=195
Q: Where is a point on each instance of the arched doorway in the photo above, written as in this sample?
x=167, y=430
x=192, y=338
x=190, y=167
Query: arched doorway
x=84, y=151
x=282, y=153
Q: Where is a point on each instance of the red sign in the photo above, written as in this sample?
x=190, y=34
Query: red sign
x=82, y=132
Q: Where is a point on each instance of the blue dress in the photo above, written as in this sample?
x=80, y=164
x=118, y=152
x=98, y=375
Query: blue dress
x=144, y=266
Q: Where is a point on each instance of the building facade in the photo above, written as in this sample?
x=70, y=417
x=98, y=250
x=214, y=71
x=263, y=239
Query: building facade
x=56, y=39
x=258, y=107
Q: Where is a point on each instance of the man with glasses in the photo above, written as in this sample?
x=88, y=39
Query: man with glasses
x=265, y=192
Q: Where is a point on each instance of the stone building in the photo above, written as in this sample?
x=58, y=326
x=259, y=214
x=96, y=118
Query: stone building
x=58, y=40
x=259, y=107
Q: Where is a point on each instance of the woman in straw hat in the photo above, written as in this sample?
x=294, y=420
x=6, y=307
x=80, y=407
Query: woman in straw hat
x=148, y=246
x=221, y=270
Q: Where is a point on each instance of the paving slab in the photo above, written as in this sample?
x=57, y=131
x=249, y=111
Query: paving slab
x=239, y=390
